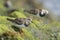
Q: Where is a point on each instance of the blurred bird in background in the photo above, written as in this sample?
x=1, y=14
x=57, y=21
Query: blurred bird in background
x=8, y=4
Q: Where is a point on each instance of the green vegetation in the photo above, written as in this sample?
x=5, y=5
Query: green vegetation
x=37, y=30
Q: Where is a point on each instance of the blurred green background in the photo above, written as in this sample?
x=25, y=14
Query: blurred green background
x=41, y=28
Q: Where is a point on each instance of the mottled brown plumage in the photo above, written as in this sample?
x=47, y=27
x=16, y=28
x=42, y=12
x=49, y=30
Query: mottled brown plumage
x=39, y=12
x=20, y=21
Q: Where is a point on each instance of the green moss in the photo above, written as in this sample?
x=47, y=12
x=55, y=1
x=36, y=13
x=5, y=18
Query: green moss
x=18, y=15
x=28, y=35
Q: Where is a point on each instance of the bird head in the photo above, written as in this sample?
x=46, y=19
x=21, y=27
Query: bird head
x=43, y=12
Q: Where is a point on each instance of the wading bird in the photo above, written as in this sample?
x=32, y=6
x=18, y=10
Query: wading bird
x=21, y=21
x=39, y=12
